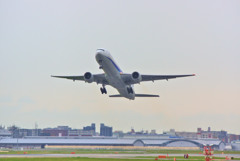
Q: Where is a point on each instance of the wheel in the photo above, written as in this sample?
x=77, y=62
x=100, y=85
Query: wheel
x=104, y=90
x=130, y=90
x=101, y=89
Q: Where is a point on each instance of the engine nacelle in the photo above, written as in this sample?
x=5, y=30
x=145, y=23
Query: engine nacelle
x=88, y=77
x=136, y=77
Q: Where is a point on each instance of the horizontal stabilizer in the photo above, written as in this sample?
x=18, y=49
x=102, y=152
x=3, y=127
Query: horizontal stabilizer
x=136, y=95
x=117, y=95
x=146, y=95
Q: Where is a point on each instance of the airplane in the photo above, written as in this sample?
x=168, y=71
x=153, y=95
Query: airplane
x=115, y=77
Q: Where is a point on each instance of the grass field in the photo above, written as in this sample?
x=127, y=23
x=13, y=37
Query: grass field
x=115, y=151
x=108, y=151
x=94, y=159
x=71, y=159
x=110, y=159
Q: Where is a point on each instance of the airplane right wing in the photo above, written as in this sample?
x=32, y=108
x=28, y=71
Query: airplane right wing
x=70, y=77
x=98, y=78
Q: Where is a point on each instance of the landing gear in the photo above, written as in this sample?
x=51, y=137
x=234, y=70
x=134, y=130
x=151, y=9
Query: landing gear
x=130, y=90
x=100, y=63
x=103, y=90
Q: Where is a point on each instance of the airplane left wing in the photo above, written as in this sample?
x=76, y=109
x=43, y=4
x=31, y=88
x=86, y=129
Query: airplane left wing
x=129, y=80
x=160, y=77
x=98, y=78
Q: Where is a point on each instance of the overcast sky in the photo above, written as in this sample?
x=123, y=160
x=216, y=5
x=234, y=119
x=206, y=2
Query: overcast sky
x=59, y=37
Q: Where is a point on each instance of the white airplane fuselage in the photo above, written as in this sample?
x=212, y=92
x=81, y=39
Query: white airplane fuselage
x=113, y=73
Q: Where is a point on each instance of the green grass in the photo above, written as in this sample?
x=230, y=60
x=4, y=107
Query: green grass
x=77, y=151
x=137, y=158
x=84, y=159
x=180, y=157
x=106, y=159
x=69, y=159
x=106, y=151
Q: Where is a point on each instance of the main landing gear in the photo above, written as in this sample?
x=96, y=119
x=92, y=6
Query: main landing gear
x=130, y=90
x=103, y=90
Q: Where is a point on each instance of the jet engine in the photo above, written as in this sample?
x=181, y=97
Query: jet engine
x=136, y=77
x=88, y=77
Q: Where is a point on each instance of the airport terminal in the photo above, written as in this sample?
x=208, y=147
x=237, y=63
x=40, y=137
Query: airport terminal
x=64, y=137
x=106, y=142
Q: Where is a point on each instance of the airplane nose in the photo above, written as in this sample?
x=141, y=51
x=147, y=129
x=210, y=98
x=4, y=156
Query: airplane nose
x=99, y=53
x=100, y=50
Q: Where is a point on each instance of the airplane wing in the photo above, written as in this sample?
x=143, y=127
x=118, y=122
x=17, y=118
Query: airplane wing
x=128, y=77
x=136, y=95
x=98, y=78
x=160, y=77
x=70, y=77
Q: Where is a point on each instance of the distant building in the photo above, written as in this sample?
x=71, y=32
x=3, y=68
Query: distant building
x=63, y=128
x=153, y=132
x=74, y=132
x=105, y=130
x=90, y=129
x=187, y=135
x=221, y=135
x=118, y=134
x=233, y=137
x=80, y=132
x=54, y=132
x=171, y=132
x=200, y=134
x=5, y=133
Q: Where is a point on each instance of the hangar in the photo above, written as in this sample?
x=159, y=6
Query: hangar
x=42, y=142
x=235, y=145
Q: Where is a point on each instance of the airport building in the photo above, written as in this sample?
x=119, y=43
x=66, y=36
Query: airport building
x=32, y=143
x=65, y=136
x=235, y=145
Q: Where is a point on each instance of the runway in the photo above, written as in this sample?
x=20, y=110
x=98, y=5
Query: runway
x=125, y=156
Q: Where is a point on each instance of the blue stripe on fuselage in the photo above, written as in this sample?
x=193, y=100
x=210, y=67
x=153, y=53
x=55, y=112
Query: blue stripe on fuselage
x=120, y=71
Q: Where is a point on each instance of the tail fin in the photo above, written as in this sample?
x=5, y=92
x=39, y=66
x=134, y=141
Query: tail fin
x=136, y=95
